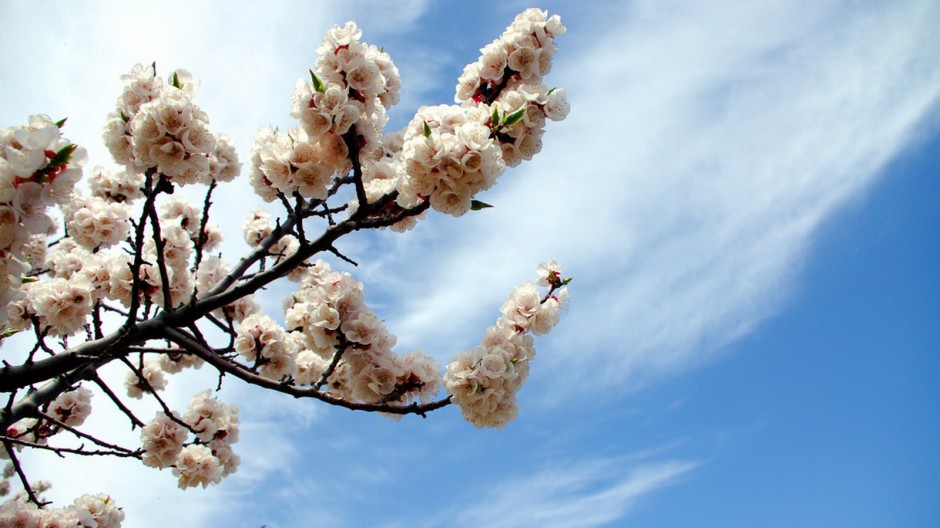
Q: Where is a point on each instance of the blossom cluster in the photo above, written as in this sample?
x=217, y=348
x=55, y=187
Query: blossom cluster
x=203, y=461
x=163, y=256
x=522, y=54
x=87, y=511
x=327, y=318
x=83, y=269
x=69, y=409
x=509, y=74
x=38, y=170
x=484, y=380
x=349, y=90
x=448, y=156
x=155, y=125
x=451, y=153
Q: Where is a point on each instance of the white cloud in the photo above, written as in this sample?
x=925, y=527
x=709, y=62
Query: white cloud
x=704, y=149
x=582, y=493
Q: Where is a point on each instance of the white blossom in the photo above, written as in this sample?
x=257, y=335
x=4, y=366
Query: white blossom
x=162, y=439
x=71, y=407
x=195, y=465
x=151, y=379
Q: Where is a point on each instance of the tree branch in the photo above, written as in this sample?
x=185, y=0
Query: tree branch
x=299, y=392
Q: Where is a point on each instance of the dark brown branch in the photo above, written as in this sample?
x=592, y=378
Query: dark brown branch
x=139, y=249
x=62, y=425
x=144, y=383
x=203, y=222
x=8, y=445
x=135, y=422
x=160, y=246
x=341, y=347
x=121, y=452
x=299, y=392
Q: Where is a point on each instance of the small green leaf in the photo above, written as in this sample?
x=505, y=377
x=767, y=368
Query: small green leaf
x=477, y=205
x=550, y=92
x=566, y=281
x=63, y=155
x=176, y=81
x=60, y=123
x=7, y=332
x=514, y=117
x=26, y=279
x=494, y=119
x=427, y=130
x=317, y=83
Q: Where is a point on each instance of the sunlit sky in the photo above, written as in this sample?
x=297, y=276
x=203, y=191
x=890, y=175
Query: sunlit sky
x=747, y=195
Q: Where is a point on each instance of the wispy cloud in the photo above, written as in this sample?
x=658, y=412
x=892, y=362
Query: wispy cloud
x=582, y=493
x=704, y=149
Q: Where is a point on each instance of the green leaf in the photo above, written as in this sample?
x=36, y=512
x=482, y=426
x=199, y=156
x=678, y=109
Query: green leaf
x=550, y=92
x=317, y=83
x=514, y=117
x=494, y=119
x=7, y=332
x=176, y=81
x=566, y=281
x=63, y=155
x=60, y=123
x=427, y=130
x=477, y=205
x=26, y=279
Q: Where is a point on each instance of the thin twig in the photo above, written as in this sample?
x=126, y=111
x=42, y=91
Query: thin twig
x=8, y=445
x=135, y=422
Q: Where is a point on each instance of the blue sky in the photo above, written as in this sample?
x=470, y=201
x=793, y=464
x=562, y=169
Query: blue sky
x=746, y=194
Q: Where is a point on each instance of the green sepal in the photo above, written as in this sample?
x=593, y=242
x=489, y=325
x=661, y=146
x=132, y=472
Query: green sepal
x=317, y=83
x=514, y=117
x=427, y=129
x=176, y=81
x=60, y=123
x=63, y=155
x=477, y=205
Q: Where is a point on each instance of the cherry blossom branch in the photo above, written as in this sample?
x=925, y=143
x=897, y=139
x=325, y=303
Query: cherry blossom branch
x=299, y=392
x=94, y=353
x=148, y=388
x=80, y=434
x=159, y=127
